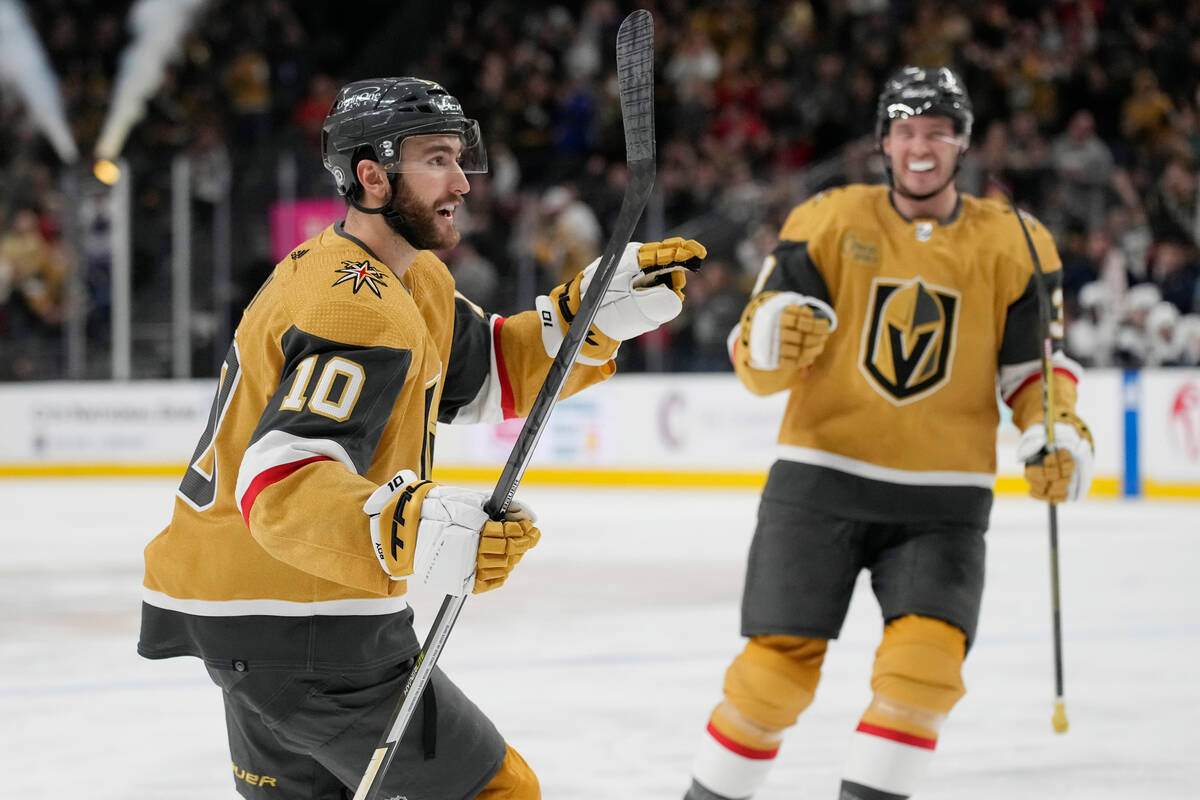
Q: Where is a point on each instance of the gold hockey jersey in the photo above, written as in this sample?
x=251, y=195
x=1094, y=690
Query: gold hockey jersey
x=336, y=379
x=897, y=418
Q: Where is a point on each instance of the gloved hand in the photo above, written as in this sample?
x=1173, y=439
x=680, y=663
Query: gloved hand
x=442, y=535
x=783, y=331
x=646, y=291
x=1064, y=473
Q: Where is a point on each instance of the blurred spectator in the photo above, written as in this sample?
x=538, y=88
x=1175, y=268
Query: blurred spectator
x=35, y=272
x=309, y=114
x=1131, y=346
x=1028, y=161
x=1078, y=266
x=474, y=276
x=1092, y=328
x=1146, y=113
x=566, y=236
x=1084, y=165
x=248, y=81
x=1088, y=112
x=987, y=157
x=715, y=301
x=694, y=61
x=937, y=30
x=1187, y=334
x=1174, y=272
x=1162, y=345
x=1174, y=210
x=1132, y=239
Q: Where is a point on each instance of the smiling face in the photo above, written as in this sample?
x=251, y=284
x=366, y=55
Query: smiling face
x=923, y=152
x=430, y=190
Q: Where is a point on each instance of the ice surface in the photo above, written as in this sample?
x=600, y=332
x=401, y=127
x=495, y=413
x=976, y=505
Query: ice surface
x=602, y=657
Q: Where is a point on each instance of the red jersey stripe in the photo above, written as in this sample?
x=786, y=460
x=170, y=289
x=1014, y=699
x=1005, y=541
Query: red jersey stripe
x=271, y=475
x=1037, y=376
x=507, y=404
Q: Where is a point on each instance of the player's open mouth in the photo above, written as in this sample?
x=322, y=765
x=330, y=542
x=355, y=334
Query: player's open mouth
x=447, y=210
x=920, y=166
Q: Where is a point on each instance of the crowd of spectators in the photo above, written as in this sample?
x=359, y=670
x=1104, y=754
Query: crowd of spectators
x=1088, y=112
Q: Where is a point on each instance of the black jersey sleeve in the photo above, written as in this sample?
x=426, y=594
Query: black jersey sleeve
x=795, y=271
x=470, y=358
x=1022, y=340
x=335, y=393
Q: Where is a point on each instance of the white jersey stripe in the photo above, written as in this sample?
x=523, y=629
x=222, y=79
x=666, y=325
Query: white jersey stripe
x=1013, y=376
x=863, y=469
x=353, y=607
x=276, y=448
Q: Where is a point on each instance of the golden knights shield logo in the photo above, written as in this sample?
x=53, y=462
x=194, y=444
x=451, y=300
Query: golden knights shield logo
x=908, y=338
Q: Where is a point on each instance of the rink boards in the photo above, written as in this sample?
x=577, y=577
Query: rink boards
x=683, y=430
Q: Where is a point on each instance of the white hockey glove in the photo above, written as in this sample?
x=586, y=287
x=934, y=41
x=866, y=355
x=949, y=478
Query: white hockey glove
x=784, y=331
x=442, y=535
x=1064, y=473
x=646, y=291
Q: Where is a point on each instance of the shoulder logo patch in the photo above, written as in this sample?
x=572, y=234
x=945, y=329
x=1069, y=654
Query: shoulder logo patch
x=908, y=338
x=363, y=274
x=858, y=247
x=296, y=255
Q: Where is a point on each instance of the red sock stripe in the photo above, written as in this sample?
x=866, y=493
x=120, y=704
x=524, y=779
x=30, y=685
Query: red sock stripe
x=740, y=749
x=507, y=404
x=269, y=476
x=897, y=736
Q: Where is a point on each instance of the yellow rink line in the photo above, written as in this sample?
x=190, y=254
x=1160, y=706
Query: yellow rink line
x=1102, y=487
x=1170, y=491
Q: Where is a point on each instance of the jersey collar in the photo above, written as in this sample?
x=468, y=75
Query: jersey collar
x=942, y=222
x=340, y=230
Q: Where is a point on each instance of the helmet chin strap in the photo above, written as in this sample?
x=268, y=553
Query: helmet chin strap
x=919, y=197
x=394, y=219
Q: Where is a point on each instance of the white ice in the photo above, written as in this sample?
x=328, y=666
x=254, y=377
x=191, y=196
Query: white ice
x=602, y=657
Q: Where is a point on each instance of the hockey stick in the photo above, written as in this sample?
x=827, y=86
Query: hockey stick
x=1046, y=317
x=635, y=78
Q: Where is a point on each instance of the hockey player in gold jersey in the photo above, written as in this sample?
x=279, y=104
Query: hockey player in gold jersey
x=310, y=497
x=892, y=314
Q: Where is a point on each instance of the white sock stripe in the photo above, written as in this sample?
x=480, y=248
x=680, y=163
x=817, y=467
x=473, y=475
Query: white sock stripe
x=723, y=771
x=884, y=764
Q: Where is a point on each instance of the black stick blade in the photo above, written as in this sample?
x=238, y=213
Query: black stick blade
x=635, y=78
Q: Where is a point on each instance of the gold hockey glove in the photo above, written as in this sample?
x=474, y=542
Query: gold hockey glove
x=646, y=291
x=1064, y=473
x=783, y=331
x=501, y=546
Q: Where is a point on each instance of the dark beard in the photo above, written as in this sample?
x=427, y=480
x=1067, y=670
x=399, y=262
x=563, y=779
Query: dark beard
x=416, y=222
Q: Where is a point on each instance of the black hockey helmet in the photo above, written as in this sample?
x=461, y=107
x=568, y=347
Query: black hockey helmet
x=913, y=91
x=380, y=113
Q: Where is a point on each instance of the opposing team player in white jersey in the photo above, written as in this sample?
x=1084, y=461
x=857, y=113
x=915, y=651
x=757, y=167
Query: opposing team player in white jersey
x=891, y=314
x=310, y=497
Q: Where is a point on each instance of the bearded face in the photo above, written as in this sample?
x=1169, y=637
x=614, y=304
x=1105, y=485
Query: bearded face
x=427, y=224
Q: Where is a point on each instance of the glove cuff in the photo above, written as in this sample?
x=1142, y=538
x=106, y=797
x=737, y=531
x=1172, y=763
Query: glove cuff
x=395, y=514
x=1072, y=419
x=554, y=329
x=760, y=325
